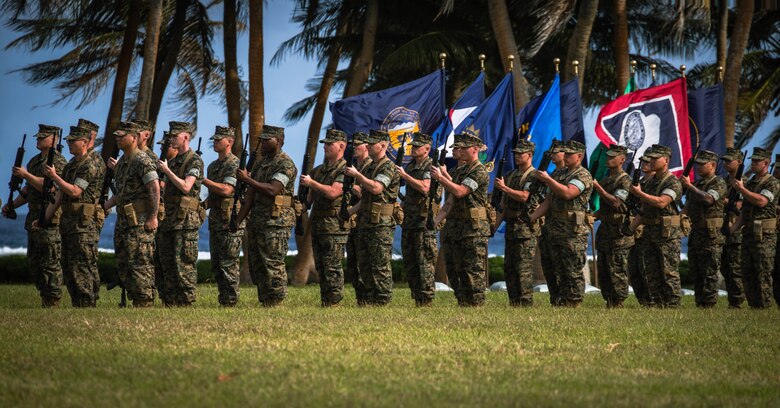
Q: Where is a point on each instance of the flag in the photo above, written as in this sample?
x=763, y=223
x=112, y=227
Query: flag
x=416, y=106
x=646, y=117
x=546, y=124
x=494, y=119
x=707, y=126
x=571, y=112
x=468, y=101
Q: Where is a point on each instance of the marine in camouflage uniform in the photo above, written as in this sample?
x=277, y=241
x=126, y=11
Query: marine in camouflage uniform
x=178, y=235
x=545, y=239
x=759, y=234
x=704, y=205
x=100, y=165
x=612, y=242
x=776, y=270
x=731, y=257
x=43, y=244
x=224, y=244
x=521, y=236
x=418, y=243
x=375, y=220
x=329, y=232
x=637, y=275
x=446, y=241
x=270, y=200
x=137, y=199
x=468, y=225
x=77, y=195
x=351, y=274
x=569, y=223
x=662, y=230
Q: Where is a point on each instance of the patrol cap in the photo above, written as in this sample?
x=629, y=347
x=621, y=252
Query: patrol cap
x=143, y=125
x=734, y=154
x=573, y=147
x=334, y=135
x=645, y=157
x=78, y=132
x=126, y=128
x=616, y=150
x=174, y=128
x=359, y=138
x=376, y=136
x=658, y=151
x=706, y=156
x=421, y=139
x=458, y=143
x=761, y=154
x=221, y=132
x=470, y=137
x=524, y=146
x=46, y=130
x=91, y=126
x=270, y=132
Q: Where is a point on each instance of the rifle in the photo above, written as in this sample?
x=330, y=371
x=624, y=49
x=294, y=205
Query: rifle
x=238, y=191
x=48, y=183
x=303, y=196
x=686, y=173
x=498, y=196
x=433, y=191
x=118, y=283
x=16, y=182
x=632, y=202
x=197, y=151
x=731, y=207
x=349, y=156
x=399, y=161
x=592, y=170
x=108, y=178
x=538, y=187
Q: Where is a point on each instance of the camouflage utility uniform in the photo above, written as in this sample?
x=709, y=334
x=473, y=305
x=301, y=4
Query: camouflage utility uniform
x=269, y=227
x=637, y=274
x=352, y=273
x=225, y=246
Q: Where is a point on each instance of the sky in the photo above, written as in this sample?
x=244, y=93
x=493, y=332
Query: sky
x=23, y=106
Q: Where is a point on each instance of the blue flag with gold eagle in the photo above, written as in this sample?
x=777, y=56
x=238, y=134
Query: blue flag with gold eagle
x=416, y=106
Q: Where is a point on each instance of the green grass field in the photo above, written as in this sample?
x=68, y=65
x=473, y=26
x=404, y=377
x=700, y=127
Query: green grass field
x=301, y=355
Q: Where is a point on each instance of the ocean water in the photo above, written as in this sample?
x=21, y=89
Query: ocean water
x=13, y=238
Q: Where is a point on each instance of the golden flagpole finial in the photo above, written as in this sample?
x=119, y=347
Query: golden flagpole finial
x=652, y=71
x=556, y=61
x=682, y=70
x=511, y=62
x=576, y=67
x=443, y=58
x=482, y=62
x=720, y=73
x=633, y=67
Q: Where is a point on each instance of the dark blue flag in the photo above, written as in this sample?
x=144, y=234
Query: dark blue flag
x=705, y=111
x=468, y=101
x=571, y=112
x=402, y=110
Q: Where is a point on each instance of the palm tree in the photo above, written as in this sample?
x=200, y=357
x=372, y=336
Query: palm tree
x=256, y=95
x=150, y=58
x=739, y=41
x=360, y=67
x=621, y=44
x=232, y=80
x=579, y=42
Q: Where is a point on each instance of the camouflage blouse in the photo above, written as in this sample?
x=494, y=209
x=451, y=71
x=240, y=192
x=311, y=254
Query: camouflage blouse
x=85, y=174
x=384, y=172
x=281, y=169
x=221, y=171
x=35, y=197
x=183, y=165
x=133, y=172
x=325, y=218
x=460, y=225
x=516, y=212
x=416, y=203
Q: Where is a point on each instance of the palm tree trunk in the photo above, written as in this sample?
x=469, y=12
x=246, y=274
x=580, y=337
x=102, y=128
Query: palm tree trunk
x=621, y=45
x=122, y=73
x=165, y=65
x=361, y=68
x=505, y=38
x=739, y=40
x=579, y=42
x=232, y=86
x=723, y=32
x=150, y=59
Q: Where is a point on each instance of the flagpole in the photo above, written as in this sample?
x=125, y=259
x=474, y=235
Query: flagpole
x=511, y=59
x=652, y=71
x=682, y=70
x=720, y=73
x=576, y=65
x=482, y=62
x=443, y=60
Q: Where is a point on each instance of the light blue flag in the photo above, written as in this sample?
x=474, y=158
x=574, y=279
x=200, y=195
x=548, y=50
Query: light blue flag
x=546, y=124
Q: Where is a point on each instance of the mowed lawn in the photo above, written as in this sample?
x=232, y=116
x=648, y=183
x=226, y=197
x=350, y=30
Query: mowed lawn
x=301, y=355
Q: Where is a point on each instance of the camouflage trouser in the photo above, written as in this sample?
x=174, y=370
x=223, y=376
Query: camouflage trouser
x=662, y=261
x=449, y=266
x=548, y=267
x=328, y=254
x=79, y=268
x=776, y=276
x=758, y=262
x=470, y=257
x=637, y=275
x=704, y=262
x=43, y=257
x=375, y=251
x=225, y=248
x=267, y=249
x=613, y=274
x=352, y=274
x=519, y=270
x=568, y=258
x=178, y=254
x=135, y=261
x=159, y=283
x=420, y=251
x=731, y=268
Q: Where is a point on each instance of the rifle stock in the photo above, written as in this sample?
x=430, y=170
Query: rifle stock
x=303, y=193
x=48, y=183
x=16, y=182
